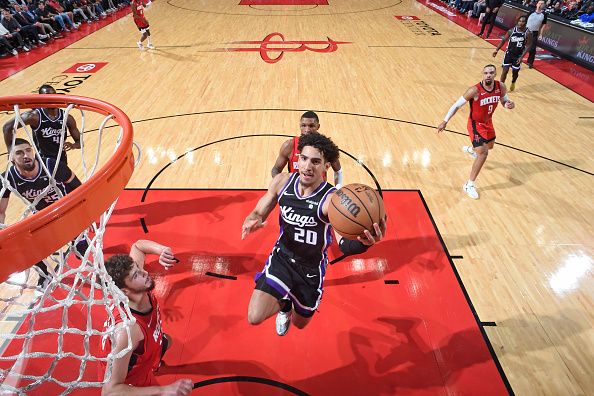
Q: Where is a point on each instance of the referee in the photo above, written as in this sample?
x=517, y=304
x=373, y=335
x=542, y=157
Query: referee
x=536, y=20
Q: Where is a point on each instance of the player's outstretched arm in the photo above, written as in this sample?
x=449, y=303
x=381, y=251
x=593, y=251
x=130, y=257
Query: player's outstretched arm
x=283, y=157
x=142, y=247
x=117, y=385
x=503, y=40
x=469, y=94
x=257, y=218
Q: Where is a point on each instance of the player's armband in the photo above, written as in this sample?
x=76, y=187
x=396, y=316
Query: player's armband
x=338, y=179
x=350, y=247
x=74, y=184
x=459, y=103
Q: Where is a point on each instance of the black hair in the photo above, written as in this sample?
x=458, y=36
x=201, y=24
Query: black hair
x=19, y=141
x=490, y=65
x=118, y=267
x=46, y=87
x=323, y=143
x=311, y=114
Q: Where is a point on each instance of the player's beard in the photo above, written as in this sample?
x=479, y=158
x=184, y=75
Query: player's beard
x=29, y=166
x=146, y=288
x=151, y=286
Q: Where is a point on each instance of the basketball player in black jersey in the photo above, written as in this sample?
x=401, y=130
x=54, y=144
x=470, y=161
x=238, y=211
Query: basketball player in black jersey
x=297, y=264
x=46, y=124
x=29, y=179
x=519, y=39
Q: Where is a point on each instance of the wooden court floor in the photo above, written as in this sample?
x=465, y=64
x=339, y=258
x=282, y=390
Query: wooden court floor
x=380, y=86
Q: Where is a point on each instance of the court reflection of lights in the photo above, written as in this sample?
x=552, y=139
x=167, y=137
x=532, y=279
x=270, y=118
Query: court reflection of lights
x=221, y=265
x=368, y=265
x=568, y=276
x=217, y=158
x=425, y=158
x=387, y=160
x=189, y=156
x=200, y=264
x=422, y=157
x=171, y=155
x=152, y=157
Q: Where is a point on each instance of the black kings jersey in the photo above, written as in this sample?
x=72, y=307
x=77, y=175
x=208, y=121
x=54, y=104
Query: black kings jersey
x=48, y=133
x=305, y=232
x=34, y=187
x=517, y=42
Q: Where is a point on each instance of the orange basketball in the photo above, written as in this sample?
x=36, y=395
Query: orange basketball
x=354, y=208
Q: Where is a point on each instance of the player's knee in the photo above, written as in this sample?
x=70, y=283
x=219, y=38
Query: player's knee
x=300, y=322
x=300, y=325
x=255, y=317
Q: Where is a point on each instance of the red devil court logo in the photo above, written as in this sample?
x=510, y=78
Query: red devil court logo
x=280, y=46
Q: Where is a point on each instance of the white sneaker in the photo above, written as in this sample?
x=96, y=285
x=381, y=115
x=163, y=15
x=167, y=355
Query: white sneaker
x=469, y=150
x=150, y=46
x=140, y=46
x=283, y=321
x=470, y=189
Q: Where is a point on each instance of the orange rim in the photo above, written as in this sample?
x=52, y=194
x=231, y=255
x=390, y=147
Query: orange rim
x=32, y=239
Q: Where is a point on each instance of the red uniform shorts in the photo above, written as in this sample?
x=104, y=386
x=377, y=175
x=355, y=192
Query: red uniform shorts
x=480, y=133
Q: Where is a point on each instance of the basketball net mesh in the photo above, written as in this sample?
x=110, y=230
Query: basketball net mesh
x=61, y=320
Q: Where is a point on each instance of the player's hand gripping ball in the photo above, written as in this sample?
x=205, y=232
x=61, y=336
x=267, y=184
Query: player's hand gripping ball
x=354, y=208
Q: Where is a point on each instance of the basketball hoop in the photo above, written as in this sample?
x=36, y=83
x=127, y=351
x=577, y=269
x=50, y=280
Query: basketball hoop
x=58, y=317
x=49, y=229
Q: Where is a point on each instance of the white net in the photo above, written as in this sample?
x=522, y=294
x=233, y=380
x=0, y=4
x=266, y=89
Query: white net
x=56, y=315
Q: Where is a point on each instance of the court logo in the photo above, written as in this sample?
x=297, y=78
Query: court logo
x=90, y=67
x=64, y=83
x=406, y=17
x=417, y=26
x=273, y=47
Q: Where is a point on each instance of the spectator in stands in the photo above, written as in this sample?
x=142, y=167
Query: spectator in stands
x=57, y=8
x=15, y=39
x=572, y=11
x=77, y=13
x=28, y=33
x=47, y=14
x=26, y=17
x=478, y=8
x=490, y=15
x=6, y=48
x=536, y=20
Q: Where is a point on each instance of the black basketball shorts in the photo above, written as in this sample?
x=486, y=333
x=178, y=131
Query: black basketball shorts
x=512, y=60
x=282, y=276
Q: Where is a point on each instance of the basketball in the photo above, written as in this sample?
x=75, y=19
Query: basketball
x=354, y=208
